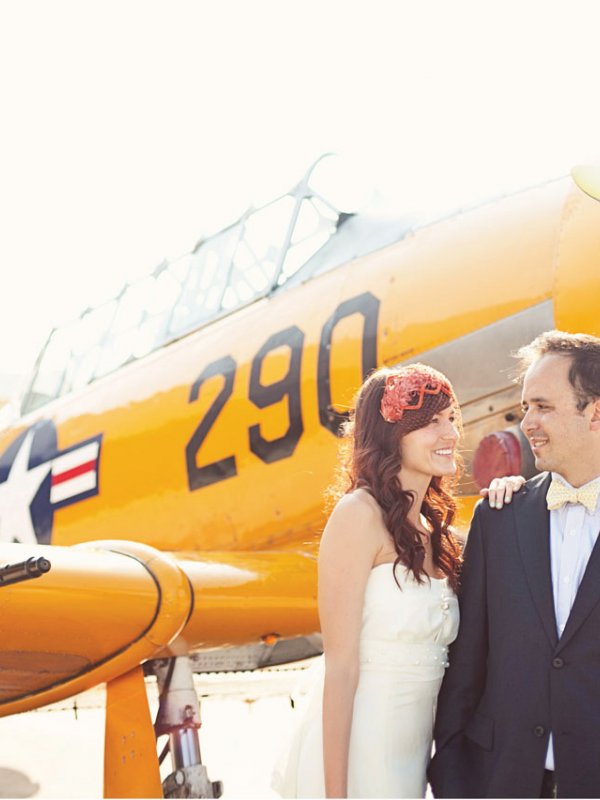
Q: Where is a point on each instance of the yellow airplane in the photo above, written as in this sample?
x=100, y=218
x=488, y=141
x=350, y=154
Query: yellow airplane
x=162, y=493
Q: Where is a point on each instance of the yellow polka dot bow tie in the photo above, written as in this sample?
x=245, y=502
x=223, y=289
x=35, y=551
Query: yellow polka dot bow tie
x=559, y=494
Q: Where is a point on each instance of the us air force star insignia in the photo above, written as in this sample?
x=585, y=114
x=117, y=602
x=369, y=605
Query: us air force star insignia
x=17, y=493
x=36, y=479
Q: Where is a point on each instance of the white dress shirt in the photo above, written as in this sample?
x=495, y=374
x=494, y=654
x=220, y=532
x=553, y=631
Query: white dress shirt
x=573, y=534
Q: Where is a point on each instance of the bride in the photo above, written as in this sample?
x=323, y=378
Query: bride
x=388, y=576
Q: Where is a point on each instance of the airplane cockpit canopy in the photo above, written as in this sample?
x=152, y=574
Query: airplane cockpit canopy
x=269, y=249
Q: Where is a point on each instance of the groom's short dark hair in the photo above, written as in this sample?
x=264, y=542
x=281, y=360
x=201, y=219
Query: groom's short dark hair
x=581, y=348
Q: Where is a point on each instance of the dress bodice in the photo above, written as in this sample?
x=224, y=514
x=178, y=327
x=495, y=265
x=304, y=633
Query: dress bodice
x=409, y=625
x=404, y=637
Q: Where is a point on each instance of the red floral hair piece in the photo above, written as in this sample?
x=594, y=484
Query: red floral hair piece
x=406, y=389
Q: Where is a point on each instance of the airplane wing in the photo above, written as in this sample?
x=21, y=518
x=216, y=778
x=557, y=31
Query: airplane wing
x=105, y=607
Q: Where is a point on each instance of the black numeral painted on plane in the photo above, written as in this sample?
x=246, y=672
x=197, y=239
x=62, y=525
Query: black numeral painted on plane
x=368, y=306
x=226, y=467
x=288, y=387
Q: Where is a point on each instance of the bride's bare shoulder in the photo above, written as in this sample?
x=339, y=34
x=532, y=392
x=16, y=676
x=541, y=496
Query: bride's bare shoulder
x=358, y=506
x=360, y=498
x=353, y=528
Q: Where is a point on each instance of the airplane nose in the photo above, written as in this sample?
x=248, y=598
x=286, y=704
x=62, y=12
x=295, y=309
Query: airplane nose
x=501, y=453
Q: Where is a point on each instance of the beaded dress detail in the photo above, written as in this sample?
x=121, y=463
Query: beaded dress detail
x=403, y=654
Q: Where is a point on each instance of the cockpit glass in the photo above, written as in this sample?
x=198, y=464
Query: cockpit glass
x=251, y=259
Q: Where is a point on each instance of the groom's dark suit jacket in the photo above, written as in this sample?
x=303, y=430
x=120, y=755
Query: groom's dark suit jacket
x=511, y=680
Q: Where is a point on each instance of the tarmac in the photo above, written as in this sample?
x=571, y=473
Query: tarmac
x=57, y=751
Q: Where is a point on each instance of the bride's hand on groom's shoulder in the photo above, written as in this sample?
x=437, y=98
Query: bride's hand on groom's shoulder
x=501, y=490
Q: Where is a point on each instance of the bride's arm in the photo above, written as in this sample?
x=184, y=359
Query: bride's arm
x=348, y=549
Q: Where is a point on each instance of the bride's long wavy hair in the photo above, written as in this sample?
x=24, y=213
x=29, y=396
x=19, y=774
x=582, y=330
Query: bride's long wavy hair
x=372, y=459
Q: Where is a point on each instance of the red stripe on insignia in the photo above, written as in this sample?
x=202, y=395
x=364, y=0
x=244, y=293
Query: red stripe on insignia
x=73, y=473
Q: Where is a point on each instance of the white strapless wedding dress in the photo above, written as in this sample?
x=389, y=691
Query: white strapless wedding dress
x=403, y=652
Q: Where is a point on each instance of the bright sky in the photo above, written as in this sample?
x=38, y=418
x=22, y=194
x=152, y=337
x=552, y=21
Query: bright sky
x=130, y=128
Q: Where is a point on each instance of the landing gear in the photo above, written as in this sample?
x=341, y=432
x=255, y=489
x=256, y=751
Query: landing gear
x=179, y=717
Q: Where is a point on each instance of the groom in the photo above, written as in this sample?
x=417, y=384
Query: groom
x=519, y=710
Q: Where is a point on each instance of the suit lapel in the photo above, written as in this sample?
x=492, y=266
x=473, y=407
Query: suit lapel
x=532, y=522
x=587, y=596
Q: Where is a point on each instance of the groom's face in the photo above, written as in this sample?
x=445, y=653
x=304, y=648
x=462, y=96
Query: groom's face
x=560, y=435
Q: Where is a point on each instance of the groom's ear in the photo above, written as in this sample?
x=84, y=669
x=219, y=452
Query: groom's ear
x=595, y=418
